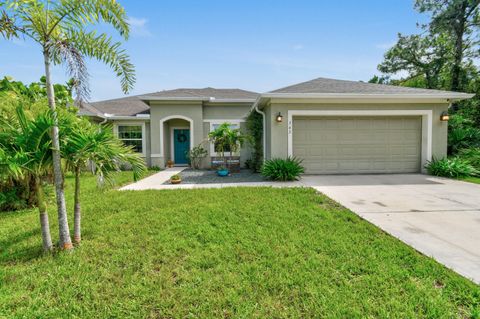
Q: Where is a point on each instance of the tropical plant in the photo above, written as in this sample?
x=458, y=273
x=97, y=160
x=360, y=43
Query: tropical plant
x=26, y=153
x=462, y=133
x=88, y=145
x=226, y=139
x=195, y=156
x=63, y=29
x=472, y=156
x=280, y=169
x=453, y=167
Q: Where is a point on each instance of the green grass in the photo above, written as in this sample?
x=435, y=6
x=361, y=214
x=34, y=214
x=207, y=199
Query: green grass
x=231, y=253
x=472, y=179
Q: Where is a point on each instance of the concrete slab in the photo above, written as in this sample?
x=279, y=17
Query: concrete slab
x=438, y=217
x=152, y=181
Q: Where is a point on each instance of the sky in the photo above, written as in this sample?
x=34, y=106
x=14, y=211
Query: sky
x=257, y=45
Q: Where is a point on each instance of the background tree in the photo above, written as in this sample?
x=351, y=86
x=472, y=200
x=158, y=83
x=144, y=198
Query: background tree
x=62, y=29
x=423, y=58
x=460, y=20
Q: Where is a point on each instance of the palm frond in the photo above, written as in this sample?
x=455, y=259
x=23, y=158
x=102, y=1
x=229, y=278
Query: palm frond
x=67, y=54
x=103, y=48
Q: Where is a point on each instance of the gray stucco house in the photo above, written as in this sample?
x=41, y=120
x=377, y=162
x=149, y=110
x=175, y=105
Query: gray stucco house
x=335, y=126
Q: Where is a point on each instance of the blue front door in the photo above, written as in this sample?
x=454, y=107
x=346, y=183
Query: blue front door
x=181, y=145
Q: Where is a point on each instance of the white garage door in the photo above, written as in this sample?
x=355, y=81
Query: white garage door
x=356, y=145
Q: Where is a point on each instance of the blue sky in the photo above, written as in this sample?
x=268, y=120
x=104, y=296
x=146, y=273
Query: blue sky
x=254, y=45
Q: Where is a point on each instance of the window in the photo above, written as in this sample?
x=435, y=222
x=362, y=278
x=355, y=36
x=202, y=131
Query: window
x=214, y=149
x=131, y=135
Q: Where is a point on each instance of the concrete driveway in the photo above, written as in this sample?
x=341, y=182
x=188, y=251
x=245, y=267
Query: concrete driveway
x=438, y=217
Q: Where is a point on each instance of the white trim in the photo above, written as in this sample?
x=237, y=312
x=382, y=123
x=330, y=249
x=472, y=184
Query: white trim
x=144, y=139
x=143, y=117
x=442, y=95
x=216, y=121
x=200, y=98
x=427, y=118
x=171, y=117
x=172, y=146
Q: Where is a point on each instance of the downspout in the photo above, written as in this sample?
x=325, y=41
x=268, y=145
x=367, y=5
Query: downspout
x=255, y=107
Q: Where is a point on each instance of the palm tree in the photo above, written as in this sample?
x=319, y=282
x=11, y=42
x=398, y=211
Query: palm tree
x=89, y=144
x=227, y=139
x=62, y=29
x=25, y=152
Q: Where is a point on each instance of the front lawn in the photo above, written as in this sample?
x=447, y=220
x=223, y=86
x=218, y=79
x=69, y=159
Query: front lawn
x=246, y=252
x=472, y=179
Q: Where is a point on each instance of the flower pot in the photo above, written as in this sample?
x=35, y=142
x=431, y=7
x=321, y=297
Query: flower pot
x=175, y=181
x=223, y=172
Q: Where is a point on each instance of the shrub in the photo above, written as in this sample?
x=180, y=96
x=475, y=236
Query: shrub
x=282, y=169
x=195, y=156
x=255, y=129
x=472, y=156
x=462, y=133
x=451, y=167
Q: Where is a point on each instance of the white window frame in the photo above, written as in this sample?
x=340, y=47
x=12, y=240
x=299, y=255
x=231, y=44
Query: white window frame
x=219, y=122
x=142, y=124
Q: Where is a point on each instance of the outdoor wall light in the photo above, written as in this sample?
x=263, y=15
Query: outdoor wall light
x=444, y=116
x=279, y=117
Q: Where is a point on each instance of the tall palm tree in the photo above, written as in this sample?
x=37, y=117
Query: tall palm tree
x=26, y=152
x=89, y=144
x=63, y=31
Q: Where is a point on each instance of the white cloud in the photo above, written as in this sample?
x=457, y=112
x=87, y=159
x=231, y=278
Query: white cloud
x=138, y=27
x=298, y=47
x=386, y=45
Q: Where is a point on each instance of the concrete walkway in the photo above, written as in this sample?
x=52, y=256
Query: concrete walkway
x=438, y=217
x=152, y=181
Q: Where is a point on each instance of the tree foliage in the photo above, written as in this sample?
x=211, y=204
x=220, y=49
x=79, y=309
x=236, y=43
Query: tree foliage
x=442, y=57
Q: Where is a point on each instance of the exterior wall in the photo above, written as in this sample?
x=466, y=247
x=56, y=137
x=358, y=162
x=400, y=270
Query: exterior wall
x=226, y=111
x=168, y=111
x=277, y=133
x=202, y=115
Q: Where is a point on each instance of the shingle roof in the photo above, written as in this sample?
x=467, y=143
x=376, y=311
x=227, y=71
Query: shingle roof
x=133, y=105
x=324, y=85
x=126, y=106
x=205, y=93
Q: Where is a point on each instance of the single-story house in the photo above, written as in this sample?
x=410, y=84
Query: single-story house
x=334, y=126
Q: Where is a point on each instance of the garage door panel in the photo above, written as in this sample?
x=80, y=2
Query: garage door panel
x=348, y=145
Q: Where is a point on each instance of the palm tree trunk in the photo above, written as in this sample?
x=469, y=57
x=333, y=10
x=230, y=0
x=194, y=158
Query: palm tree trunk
x=77, y=214
x=63, y=229
x=42, y=209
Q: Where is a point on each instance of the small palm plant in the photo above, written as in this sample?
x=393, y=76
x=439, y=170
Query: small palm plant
x=227, y=139
x=26, y=153
x=85, y=144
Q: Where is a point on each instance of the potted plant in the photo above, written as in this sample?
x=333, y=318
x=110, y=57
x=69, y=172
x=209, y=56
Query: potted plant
x=222, y=171
x=226, y=139
x=175, y=179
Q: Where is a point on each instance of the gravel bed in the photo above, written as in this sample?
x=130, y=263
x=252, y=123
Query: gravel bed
x=190, y=176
